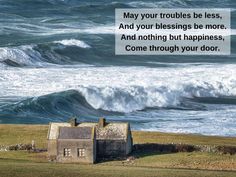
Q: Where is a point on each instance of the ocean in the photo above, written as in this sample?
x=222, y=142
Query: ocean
x=57, y=61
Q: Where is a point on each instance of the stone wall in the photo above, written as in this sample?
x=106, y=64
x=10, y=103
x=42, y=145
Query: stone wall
x=52, y=149
x=88, y=145
x=111, y=148
x=129, y=144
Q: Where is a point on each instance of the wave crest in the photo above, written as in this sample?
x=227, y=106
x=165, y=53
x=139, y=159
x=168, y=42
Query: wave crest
x=126, y=89
x=20, y=56
x=41, y=55
x=61, y=105
x=73, y=42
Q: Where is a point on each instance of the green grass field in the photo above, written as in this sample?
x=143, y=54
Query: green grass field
x=25, y=164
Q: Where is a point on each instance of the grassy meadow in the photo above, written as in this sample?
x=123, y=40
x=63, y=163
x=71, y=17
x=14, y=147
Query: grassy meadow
x=25, y=164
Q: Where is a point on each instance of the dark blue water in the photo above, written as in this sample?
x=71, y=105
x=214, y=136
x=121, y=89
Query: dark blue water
x=57, y=61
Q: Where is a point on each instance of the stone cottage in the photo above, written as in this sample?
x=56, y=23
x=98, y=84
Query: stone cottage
x=85, y=142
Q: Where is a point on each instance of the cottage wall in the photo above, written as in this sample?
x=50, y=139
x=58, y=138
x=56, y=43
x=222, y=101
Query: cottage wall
x=88, y=145
x=98, y=140
x=129, y=143
x=111, y=148
x=52, y=149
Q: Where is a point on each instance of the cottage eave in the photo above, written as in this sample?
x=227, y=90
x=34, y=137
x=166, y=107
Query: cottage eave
x=115, y=139
x=75, y=139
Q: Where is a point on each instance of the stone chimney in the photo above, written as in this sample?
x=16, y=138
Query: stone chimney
x=73, y=122
x=102, y=122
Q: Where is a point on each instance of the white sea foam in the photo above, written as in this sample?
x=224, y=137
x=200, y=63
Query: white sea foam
x=159, y=4
x=73, y=42
x=200, y=121
x=110, y=29
x=123, y=89
x=22, y=55
x=28, y=55
x=107, y=29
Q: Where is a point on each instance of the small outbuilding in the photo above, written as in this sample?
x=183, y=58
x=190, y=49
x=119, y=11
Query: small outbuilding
x=86, y=142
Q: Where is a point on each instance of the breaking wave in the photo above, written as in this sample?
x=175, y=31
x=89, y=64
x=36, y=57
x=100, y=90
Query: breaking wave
x=73, y=42
x=139, y=88
x=92, y=101
x=20, y=56
x=57, y=105
x=57, y=60
x=41, y=55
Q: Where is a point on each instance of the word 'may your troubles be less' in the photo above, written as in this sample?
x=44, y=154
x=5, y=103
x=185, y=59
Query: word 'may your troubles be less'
x=144, y=16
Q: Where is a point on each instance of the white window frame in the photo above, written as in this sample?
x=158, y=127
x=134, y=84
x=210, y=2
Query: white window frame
x=67, y=152
x=81, y=152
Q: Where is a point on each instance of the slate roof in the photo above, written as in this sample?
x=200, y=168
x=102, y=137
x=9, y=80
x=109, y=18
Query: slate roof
x=54, y=129
x=75, y=133
x=112, y=130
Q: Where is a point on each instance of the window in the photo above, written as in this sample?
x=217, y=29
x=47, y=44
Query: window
x=67, y=152
x=81, y=152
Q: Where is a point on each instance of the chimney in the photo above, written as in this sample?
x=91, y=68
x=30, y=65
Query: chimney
x=73, y=122
x=102, y=122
